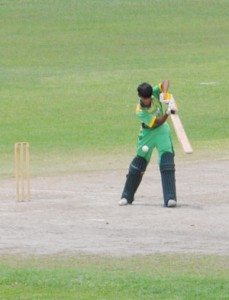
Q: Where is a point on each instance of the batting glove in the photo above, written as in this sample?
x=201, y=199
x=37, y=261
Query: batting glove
x=166, y=98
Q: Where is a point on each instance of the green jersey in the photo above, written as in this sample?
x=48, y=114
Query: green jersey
x=148, y=115
x=151, y=134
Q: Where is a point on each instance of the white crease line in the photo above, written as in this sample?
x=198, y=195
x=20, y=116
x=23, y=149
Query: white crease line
x=208, y=83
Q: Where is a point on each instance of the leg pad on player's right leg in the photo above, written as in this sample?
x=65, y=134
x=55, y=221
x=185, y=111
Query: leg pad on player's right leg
x=134, y=178
x=167, y=169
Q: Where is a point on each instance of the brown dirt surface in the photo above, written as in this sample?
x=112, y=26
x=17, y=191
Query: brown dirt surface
x=79, y=213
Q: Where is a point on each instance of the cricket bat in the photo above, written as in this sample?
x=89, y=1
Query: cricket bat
x=181, y=134
x=177, y=124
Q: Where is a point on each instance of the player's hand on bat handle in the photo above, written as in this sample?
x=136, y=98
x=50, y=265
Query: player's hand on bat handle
x=174, y=109
x=169, y=109
x=167, y=98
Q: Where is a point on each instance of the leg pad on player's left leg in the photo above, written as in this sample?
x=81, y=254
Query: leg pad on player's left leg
x=167, y=169
x=134, y=178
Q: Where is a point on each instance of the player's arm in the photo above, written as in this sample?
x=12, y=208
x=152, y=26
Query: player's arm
x=161, y=120
x=150, y=119
x=169, y=110
x=165, y=86
x=161, y=88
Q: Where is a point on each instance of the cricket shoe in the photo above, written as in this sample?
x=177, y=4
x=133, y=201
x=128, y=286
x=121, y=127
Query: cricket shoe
x=171, y=203
x=123, y=202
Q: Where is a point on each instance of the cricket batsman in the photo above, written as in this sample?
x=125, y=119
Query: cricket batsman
x=154, y=133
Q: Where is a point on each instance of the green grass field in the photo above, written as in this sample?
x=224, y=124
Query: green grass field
x=68, y=77
x=152, y=277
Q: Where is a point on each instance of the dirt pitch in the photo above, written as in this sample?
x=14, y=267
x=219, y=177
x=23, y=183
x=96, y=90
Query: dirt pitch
x=78, y=213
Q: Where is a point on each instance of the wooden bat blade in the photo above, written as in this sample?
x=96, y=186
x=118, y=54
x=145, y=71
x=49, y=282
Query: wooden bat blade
x=181, y=134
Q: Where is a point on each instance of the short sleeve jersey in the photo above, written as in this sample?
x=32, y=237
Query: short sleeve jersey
x=148, y=115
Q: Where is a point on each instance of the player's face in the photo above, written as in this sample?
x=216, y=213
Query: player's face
x=146, y=101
